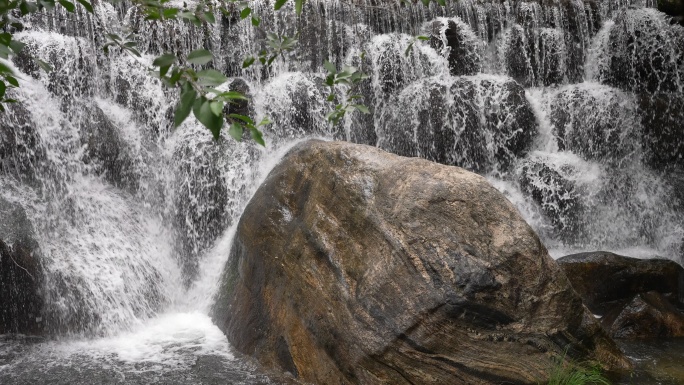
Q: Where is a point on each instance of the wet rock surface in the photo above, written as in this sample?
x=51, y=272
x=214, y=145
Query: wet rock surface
x=647, y=315
x=602, y=277
x=106, y=150
x=457, y=42
x=21, y=274
x=557, y=195
x=20, y=152
x=479, y=123
x=352, y=265
x=636, y=298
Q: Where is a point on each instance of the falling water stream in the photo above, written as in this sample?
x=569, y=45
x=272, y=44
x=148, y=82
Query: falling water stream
x=572, y=109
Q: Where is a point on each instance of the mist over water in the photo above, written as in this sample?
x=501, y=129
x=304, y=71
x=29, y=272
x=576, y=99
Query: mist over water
x=570, y=109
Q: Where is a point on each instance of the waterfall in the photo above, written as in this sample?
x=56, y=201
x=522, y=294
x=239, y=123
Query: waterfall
x=573, y=109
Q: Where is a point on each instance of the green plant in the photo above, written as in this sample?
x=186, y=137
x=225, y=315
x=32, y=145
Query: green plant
x=565, y=373
x=198, y=88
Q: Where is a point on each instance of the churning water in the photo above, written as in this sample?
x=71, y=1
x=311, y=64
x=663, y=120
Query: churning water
x=572, y=109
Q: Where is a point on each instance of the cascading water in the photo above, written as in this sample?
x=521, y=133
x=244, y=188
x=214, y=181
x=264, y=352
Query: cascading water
x=572, y=109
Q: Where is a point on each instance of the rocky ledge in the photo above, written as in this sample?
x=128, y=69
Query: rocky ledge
x=351, y=265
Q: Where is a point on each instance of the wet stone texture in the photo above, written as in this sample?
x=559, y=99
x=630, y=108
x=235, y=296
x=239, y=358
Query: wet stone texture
x=351, y=265
x=21, y=275
x=636, y=298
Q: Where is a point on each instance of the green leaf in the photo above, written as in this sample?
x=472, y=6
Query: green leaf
x=426, y=2
x=3, y=87
x=43, y=65
x=330, y=67
x=2, y=108
x=216, y=108
x=5, y=69
x=184, y=105
x=5, y=38
x=235, y=131
x=442, y=3
x=211, y=78
x=248, y=62
x=409, y=48
x=256, y=21
x=68, y=5
x=4, y=51
x=298, y=6
x=264, y=121
x=170, y=13
x=421, y=37
x=48, y=4
x=279, y=4
x=16, y=46
x=231, y=95
x=133, y=51
x=244, y=118
x=86, y=5
x=25, y=7
x=12, y=80
x=203, y=113
x=164, y=60
x=257, y=136
x=209, y=17
x=200, y=56
x=245, y=13
x=163, y=70
x=362, y=108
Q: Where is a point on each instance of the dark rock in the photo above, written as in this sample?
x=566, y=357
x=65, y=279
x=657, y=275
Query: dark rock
x=647, y=315
x=240, y=107
x=674, y=8
x=393, y=69
x=20, y=151
x=559, y=198
x=645, y=53
x=296, y=104
x=362, y=127
x=352, y=265
x=16, y=229
x=661, y=117
x=106, y=150
x=596, y=122
x=21, y=273
x=459, y=44
x=200, y=205
x=482, y=124
x=207, y=191
x=21, y=300
x=518, y=65
x=603, y=278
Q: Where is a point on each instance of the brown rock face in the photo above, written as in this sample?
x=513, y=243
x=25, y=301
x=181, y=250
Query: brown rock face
x=602, y=278
x=638, y=298
x=647, y=315
x=354, y=266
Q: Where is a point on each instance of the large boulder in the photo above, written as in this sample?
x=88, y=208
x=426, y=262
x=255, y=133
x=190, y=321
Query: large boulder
x=596, y=122
x=603, y=278
x=643, y=53
x=105, y=149
x=647, y=315
x=21, y=299
x=551, y=184
x=456, y=41
x=20, y=150
x=482, y=123
x=351, y=265
x=21, y=273
x=636, y=298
